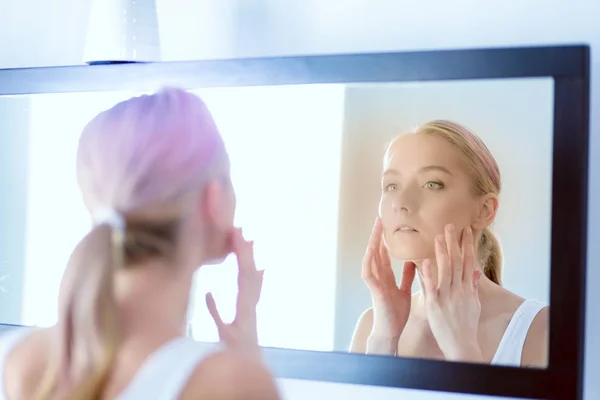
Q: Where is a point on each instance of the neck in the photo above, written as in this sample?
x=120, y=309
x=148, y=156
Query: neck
x=154, y=298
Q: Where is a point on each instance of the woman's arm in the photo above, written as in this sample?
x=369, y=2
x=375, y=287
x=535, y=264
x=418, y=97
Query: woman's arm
x=535, y=349
x=363, y=342
x=362, y=332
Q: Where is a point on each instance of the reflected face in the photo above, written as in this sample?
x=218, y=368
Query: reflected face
x=424, y=187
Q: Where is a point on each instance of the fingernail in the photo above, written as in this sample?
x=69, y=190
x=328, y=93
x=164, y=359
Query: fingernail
x=469, y=231
x=450, y=227
x=438, y=239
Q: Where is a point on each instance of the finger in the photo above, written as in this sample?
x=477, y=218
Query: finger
x=247, y=274
x=244, y=253
x=213, y=311
x=373, y=248
x=469, y=259
x=384, y=254
x=388, y=278
x=476, y=278
x=366, y=265
x=376, y=264
x=376, y=235
x=367, y=272
x=247, y=300
x=384, y=264
x=443, y=264
x=375, y=242
x=408, y=276
x=428, y=283
x=454, y=254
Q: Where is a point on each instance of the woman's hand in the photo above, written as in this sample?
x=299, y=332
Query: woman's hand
x=452, y=303
x=391, y=304
x=241, y=334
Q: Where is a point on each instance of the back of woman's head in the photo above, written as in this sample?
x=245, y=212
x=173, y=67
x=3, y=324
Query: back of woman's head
x=485, y=178
x=144, y=158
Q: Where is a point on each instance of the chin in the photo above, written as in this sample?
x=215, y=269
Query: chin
x=414, y=257
x=216, y=260
x=409, y=252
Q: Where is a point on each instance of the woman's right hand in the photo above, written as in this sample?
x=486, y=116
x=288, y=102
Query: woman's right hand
x=241, y=334
x=391, y=303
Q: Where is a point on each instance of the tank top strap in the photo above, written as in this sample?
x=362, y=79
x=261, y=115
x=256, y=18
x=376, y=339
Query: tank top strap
x=166, y=372
x=510, y=349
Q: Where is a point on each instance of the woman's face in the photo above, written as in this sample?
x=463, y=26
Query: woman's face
x=424, y=187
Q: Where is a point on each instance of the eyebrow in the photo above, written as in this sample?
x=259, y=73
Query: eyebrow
x=435, y=168
x=392, y=171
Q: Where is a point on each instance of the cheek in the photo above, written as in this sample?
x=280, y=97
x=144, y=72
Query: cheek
x=230, y=209
x=441, y=213
x=386, y=213
x=385, y=209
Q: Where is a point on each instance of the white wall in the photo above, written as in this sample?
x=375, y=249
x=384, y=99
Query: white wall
x=37, y=33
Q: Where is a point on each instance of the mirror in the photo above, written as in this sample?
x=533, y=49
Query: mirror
x=307, y=164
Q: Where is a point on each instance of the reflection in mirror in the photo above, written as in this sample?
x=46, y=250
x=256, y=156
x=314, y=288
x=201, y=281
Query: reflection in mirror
x=488, y=167
x=313, y=166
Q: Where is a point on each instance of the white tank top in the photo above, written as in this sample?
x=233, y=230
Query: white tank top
x=163, y=375
x=511, y=345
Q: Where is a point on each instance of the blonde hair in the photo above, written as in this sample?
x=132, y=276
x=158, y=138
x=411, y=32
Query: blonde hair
x=485, y=175
x=143, y=158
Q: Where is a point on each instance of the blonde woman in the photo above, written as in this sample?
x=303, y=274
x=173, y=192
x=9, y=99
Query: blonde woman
x=440, y=188
x=154, y=174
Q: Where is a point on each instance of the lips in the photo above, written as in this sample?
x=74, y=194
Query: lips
x=405, y=228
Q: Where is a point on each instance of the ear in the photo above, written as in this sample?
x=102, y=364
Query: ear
x=210, y=203
x=487, y=211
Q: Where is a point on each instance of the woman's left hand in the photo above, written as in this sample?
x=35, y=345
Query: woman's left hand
x=452, y=303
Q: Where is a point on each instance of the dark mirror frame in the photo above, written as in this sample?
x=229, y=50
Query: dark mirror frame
x=568, y=65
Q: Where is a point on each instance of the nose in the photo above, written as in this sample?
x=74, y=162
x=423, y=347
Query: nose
x=404, y=201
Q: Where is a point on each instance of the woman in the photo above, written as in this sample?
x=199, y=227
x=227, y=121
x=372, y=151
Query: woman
x=154, y=173
x=440, y=189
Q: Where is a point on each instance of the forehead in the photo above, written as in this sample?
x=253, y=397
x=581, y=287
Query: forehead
x=414, y=151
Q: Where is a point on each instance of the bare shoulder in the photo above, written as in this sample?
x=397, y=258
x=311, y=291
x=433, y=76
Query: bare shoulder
x=362, y=330
x=25, y=364
x=366, y=317
x=535, y=349
x=228, y=375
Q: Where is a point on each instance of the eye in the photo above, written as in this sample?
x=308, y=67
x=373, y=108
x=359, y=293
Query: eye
x=390, y=187
x=433, y=185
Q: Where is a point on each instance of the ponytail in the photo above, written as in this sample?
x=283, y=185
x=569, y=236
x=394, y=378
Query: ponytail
x=87, y=334
x=491, y=256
